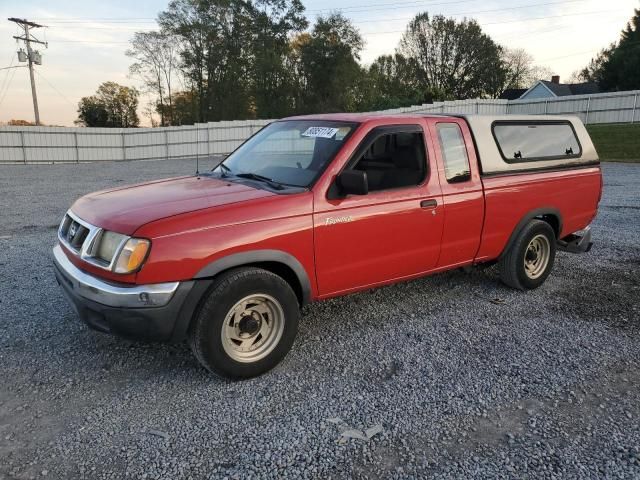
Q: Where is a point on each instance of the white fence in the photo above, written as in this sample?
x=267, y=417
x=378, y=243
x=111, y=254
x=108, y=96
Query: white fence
x=60, y=144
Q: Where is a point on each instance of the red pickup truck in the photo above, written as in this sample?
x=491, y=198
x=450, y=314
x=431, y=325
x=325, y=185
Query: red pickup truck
x=315, y=207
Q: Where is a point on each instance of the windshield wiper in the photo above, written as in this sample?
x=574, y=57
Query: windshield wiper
x=224, y=169
x=261, y=178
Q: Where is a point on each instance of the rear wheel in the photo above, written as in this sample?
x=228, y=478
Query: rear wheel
x=529, y=260
x=246, y=325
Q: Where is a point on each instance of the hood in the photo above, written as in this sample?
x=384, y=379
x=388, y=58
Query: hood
x=125, y=209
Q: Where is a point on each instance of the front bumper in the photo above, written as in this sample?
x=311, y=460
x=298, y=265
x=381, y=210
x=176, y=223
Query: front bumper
x=149, y=312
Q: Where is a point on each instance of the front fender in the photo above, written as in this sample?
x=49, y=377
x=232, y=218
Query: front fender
x=254, y=257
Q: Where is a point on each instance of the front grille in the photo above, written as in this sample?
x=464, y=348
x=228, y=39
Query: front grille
x=74, y=233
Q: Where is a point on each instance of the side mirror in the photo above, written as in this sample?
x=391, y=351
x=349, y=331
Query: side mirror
x=353, y=182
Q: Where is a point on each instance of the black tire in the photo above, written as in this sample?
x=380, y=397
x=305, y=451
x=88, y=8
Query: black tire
x=512, y=263
x=208, y=326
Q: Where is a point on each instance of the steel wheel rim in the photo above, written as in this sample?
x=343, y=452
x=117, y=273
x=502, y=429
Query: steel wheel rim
x=536, y=256
x=253, y=328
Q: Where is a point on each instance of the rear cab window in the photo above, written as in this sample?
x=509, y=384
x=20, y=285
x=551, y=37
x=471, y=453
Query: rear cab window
x=454, y=152
x=524, y=141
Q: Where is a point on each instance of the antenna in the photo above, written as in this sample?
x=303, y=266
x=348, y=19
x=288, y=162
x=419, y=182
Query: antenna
x=197, y=149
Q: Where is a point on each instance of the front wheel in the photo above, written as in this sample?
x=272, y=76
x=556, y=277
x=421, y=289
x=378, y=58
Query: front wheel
x=529, y=260
x=246, y=325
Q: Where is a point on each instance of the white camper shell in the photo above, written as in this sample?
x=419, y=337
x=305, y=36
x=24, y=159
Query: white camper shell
x=525, y=143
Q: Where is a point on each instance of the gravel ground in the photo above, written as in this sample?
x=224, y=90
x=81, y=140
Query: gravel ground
x=466, y=377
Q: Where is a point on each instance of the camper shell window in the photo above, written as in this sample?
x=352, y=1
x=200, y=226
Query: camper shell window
x=529, y=141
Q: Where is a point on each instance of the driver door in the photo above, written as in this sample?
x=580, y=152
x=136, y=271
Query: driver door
x=391, y=233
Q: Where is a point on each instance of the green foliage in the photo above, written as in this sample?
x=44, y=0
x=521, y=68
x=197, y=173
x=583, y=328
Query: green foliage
x=272, y=81
x=455, y=60
x=181, y=108
x=327, y=64
x=240, y=59
x=617, y=67
x=393, y=83
x=213, y=36
x=233, y=54
x=113, y=105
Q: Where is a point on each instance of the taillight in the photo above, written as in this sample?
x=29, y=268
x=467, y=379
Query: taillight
x=601, y=187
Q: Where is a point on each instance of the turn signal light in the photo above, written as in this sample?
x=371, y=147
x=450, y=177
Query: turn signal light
x=132, y=255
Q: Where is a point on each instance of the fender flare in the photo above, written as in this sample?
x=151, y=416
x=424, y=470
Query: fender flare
x=260, y=256
x=538, y=212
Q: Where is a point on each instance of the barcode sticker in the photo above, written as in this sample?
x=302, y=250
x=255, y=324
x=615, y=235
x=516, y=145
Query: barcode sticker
x=321, y=132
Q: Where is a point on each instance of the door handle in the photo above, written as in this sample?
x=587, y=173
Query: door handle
x=432, y=203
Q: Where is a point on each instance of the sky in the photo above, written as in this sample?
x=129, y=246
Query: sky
x=87, y=39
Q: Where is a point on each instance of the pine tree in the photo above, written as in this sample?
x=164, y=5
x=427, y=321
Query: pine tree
x=617, y=67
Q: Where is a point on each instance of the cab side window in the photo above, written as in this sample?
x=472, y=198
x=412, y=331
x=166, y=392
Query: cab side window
x=394, y=160
x=454, y=152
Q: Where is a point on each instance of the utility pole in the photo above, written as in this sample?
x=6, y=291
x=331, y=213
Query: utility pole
x=33, y=57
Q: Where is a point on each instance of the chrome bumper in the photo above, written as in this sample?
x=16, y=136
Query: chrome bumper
x=109, y=294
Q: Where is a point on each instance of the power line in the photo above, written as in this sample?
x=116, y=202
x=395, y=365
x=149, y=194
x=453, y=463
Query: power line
x=107, y=42
x=566, y=56
x=98, y=20
x=350, y=9
x=472, y=12
x=55, y=89
x=588, y=51
x=7, y=74
x=2, y=97
x=117, y=20
x=521, y=20
x=421, y=5
x=536, y=32
x=506, y=21
x=15, y=66
x=371, y=20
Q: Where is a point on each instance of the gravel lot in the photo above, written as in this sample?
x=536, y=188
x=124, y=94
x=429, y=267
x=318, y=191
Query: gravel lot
x=467, y=377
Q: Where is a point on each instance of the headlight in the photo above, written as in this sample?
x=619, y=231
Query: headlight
x=109, y=243
x=132, y=255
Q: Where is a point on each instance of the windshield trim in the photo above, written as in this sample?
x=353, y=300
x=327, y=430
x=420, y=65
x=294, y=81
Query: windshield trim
x=354, y=125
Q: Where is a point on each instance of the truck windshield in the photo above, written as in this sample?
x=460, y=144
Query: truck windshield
x=291, y=152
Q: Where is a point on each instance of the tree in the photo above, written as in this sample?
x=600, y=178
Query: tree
x=455, y=60
x=113, y=105
x=155, y=63
x=617, y=67
x=234, y=54
x=518, y=71
x=392, y=83
x=20, y=123
x=594, y=71
x=327, y=63
x=214, y=38
x=273, y=83
x=184, y=108
x=518, y=65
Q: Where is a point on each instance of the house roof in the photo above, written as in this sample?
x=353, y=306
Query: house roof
x=567, y=89
x=512, y=93
x=584, y=88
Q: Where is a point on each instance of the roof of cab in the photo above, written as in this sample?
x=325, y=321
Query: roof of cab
x=363, y=117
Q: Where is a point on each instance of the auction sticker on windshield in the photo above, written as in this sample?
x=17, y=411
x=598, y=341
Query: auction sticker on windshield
x=322, y=132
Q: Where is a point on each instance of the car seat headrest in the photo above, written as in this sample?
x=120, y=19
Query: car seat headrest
x=404, y=140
